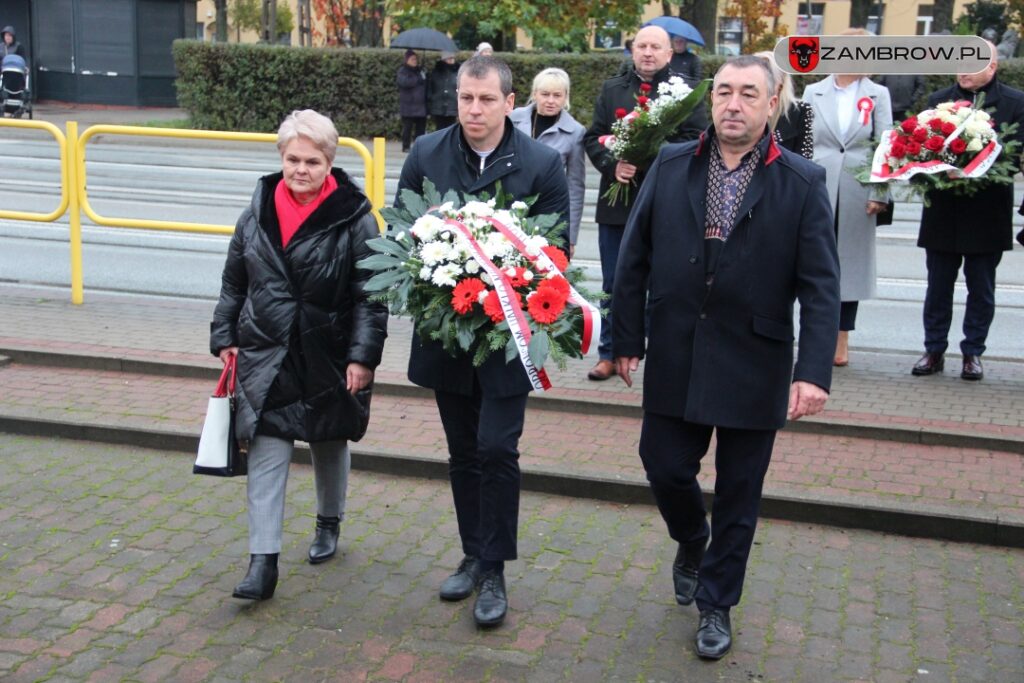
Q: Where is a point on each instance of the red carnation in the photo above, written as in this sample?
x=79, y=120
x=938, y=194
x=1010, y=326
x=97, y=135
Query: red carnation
x=935, y=143
x=913, y=148
x=958, y=146
x=898, y=150
x=465, y=294
x=642, y=101
x=645, y=87
x=948, y=128
x=935, y=125
x=556, y=255
x=909, y=125
x=557, y=283
x=492, y=306
x=517, y=277
x=620, y=113
x=920, y=134
x=545, y=305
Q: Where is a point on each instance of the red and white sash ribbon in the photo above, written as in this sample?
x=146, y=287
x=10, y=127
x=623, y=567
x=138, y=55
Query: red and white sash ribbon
x=864, y=106
x=514, y=315
x=591, y=316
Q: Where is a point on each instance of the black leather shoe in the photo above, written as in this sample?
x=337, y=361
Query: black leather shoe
x=684, y=570
x=325, y=543
x=714, y=635
x=460, y=585
x=491, y=602
x=972, y=369
x=928, y=364
x=261, y=579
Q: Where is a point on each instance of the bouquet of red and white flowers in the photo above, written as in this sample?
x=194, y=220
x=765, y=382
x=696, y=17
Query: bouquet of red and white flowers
x=479, y=278
x=954, y=146
x=637, y=135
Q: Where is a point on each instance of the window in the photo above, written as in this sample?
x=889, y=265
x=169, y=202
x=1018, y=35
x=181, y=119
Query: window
x=810, y=25
x=924, y=20
x=875, y=16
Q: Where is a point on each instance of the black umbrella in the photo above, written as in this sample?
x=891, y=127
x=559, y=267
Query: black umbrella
x=424, y=39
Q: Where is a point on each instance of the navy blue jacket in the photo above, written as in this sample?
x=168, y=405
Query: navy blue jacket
x=722, y=354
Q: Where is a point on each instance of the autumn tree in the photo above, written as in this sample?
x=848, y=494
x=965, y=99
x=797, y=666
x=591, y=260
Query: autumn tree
x=351, y=22
x=501, y=18
x=757, y=35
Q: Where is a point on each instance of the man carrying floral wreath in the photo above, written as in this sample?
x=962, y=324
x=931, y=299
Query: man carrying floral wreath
x=726, y=233
x=483, y=408
x=973, y=231
x=652, y=50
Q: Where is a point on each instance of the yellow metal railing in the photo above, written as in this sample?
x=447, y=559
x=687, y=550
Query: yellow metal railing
x=74, y=182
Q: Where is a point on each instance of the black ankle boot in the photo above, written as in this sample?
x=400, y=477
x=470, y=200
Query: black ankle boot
x=261, y=579
x=325, y=543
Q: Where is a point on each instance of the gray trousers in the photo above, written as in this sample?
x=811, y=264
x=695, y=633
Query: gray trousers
x=269, y=458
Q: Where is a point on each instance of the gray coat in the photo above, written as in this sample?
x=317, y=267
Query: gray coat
x=566, y=138
x=842, y=157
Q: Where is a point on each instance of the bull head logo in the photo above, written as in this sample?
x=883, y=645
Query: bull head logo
x=803, y=53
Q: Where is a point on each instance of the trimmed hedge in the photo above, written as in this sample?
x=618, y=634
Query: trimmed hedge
x=253, y=87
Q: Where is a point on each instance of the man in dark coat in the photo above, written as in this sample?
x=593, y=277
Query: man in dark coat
x=904, y=92
x=727, y=232
x=482, y=409
x=973, y=231
x=412, y=99
x=685, y=63
x=651, y=53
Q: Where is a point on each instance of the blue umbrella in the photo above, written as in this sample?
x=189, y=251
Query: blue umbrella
x=678, y=27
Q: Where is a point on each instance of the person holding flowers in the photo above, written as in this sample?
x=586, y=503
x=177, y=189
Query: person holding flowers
x=483, y=407
x=850, y=111
x=651, y=53
x=971, y=231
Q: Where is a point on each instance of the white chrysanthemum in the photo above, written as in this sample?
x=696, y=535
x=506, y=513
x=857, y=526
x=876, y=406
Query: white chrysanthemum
x=472, y=267
x=945, y=106
x=534, y=244
x=426, y=227
x=527, y=274
x=982, y=115
x=505, y=217
x=977, y=129
x=476, y=209
x=434, y=252
x=486, y=279
x=975, y=145
x=444, y=276
x=426, y=272
x=447, y=208
x=519, y=206
x=496, y=246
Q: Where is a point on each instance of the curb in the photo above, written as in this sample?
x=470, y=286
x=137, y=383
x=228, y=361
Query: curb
x=838, y=428
x=923, y=522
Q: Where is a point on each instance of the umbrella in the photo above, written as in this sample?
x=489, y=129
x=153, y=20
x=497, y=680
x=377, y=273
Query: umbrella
x=425, y=39
x=678, y=27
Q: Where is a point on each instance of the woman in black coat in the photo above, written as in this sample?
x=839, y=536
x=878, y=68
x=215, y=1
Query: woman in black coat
x=294, y=312
x=792, y=122
x=412, y=99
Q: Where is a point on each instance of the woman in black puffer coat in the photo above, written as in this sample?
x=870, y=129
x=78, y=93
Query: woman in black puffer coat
x=307, y=337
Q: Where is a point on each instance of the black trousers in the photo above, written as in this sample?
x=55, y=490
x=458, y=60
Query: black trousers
x=408, y=123
x=980, y=274
x=483, y=445
x=671, y=449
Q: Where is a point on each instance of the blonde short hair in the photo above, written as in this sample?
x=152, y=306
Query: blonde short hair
x=313, y=126
x=557, y=77
x=787, y=96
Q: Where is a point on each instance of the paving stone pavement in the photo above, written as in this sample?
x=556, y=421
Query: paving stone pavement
x=117, y=564
x=875, y=390
x=811, y=467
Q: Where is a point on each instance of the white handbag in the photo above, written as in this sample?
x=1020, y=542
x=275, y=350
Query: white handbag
x=219, y=452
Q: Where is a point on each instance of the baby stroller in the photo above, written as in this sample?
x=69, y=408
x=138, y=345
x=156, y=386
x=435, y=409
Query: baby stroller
x=15, y=94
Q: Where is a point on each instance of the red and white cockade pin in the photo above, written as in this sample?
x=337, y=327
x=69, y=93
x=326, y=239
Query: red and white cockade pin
x=865, y=105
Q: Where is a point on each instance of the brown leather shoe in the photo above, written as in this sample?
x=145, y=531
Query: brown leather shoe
x=972, y=368
x=928, y=364
x=604, y=369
